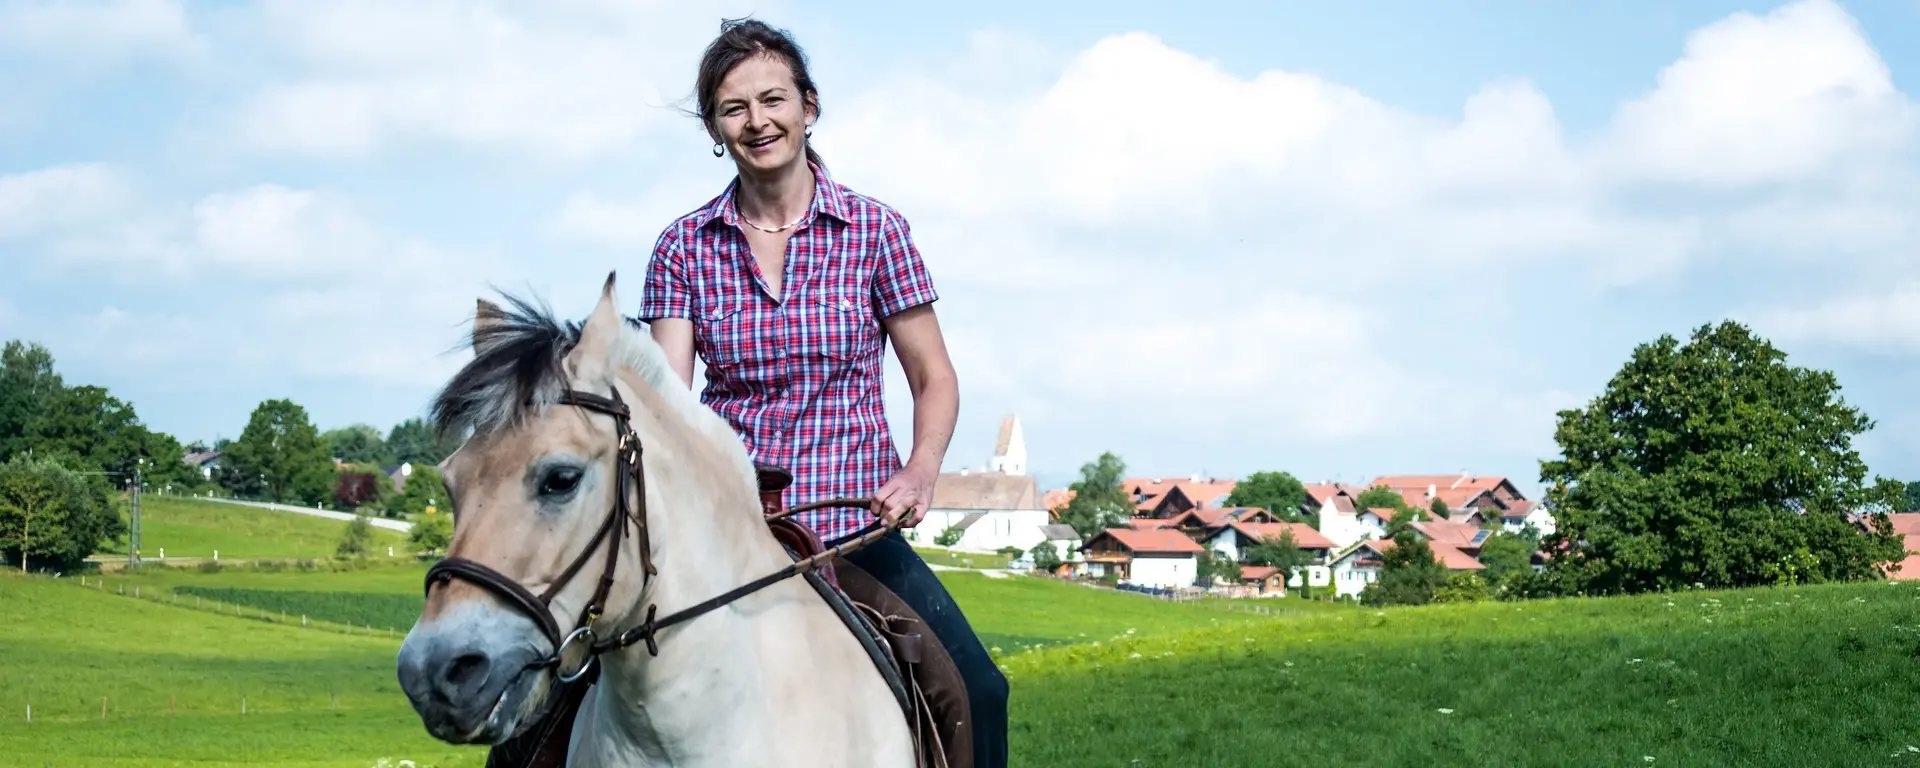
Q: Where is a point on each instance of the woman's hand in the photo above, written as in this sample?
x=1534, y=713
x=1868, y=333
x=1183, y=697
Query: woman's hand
x=908, y=493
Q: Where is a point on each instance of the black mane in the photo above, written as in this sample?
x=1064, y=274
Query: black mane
x=516, y=362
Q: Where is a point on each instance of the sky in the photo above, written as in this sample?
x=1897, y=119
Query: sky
x=1340, y=240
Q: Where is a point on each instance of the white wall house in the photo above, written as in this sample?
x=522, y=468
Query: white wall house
x=1528, y=513
x=992, y=509
x=1356, y=567
x=1158, y=557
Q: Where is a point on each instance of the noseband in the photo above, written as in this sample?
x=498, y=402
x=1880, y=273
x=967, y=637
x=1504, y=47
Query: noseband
x=631, y=479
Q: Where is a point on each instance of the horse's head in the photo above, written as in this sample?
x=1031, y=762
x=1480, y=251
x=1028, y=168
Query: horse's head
x=535, y=490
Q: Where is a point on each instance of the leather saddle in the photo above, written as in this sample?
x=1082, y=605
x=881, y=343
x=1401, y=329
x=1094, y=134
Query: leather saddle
x=916, y=666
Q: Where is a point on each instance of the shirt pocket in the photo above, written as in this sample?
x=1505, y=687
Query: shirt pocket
x=840, y=322
x=730, y=335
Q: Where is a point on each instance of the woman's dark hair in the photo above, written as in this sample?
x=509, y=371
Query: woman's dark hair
x=742, y=39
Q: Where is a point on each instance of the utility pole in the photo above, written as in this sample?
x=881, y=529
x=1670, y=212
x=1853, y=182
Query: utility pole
x=133, y=533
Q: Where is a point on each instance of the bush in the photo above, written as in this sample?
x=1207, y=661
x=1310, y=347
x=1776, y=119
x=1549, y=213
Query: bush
x=52, y=515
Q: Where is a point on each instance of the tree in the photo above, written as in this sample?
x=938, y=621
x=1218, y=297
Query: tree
x=1409, y=574
x=1099, y=502
x=425, y=489
x=354, y=490
x=1381, y=497
x=1715, y=462
x=27, y=380
x=1463, y=587
x=1282, y=552
x=1213, y=563
x=1045, y=556
x=54, y=514
x=431, y=533
x=89, y=423
x=1439, y=508
x=1277, y=492
x=414, y=441
x=1505, y=553
x=359, y=444
x=1913, y=496
x=284, y=450
x=357, y=538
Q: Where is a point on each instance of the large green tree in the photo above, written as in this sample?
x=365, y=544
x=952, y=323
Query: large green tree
x=27, y=381
x=93, y=425
x=281, y=453
x=1409, y=574
x=1714, y=462
x=360, y=444
x=414, y=440
x=1913, y=496
x=1099, y=501
x=53, y=514
x=1277, y=492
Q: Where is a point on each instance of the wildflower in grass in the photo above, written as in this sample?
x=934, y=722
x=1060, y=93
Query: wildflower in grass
x=1445, y=711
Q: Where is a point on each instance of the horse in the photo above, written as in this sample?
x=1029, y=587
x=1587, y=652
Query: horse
x=574, y=435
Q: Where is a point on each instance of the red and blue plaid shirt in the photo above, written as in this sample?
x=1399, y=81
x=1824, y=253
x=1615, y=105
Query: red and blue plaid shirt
x=799, y=375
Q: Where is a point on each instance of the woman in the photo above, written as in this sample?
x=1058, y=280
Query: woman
x=789, y=286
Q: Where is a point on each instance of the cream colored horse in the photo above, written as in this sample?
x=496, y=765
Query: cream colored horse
x=773, y=678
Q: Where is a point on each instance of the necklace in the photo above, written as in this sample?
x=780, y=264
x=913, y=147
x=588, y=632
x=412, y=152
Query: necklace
x=773, y=230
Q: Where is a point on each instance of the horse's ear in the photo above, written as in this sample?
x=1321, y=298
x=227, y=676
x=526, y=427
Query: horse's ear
x=602, y=327
x=486, y=315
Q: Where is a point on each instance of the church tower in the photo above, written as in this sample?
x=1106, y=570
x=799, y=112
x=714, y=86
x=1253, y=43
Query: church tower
x=1010, y=451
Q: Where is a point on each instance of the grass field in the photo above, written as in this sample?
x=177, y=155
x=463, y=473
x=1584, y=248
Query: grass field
x=1804, y=676
x=190, y=528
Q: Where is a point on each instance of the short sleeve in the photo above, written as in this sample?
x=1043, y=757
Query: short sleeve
x=664, y=292
x=900, y=280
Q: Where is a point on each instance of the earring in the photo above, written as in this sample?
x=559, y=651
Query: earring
x=808, y=132
x=717, y=151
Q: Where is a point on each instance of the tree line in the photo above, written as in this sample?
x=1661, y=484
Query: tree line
x=1710, y=463
x=69, y=455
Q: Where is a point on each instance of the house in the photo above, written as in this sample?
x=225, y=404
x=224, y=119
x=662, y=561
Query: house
x=1359, y=566
x=1524, y=513
x=1159, y=557
x=398, y=475
x=1266, y=580
x=1338, y=516
x=991, y=509
x=1235, y=538
x=1158, y=497
x=1201, y=522
x=1066, y=542
x=1488, y=496
x=205, y=461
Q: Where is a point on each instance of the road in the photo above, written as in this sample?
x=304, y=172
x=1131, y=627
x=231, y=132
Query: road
x=377, y=522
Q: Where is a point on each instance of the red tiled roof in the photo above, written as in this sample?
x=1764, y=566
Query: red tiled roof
x=1206, y=492
x=1447, y=532
x=1384, y=513
x=1057, y=498
x=1154, y=540
x=1450, y=557
x=1257, y=572
x=1304, y=536
x=1147, y=523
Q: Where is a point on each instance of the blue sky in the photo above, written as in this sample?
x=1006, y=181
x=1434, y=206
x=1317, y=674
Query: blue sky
x=1226, y=237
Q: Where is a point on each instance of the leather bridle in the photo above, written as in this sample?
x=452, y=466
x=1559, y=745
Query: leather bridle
x=631, y=481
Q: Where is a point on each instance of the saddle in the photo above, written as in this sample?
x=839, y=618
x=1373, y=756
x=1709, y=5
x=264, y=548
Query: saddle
x=916, y=666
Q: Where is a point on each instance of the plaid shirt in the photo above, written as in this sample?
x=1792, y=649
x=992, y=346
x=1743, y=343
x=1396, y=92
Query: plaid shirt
x=800, y=378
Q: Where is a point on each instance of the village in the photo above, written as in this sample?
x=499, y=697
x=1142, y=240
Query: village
x=1178, y=521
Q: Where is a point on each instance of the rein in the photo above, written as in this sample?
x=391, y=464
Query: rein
x=631, y=476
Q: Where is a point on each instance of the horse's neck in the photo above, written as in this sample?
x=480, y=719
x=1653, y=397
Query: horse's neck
x=711, y=672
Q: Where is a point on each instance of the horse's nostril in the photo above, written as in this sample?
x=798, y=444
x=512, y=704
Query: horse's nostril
x=465, y=674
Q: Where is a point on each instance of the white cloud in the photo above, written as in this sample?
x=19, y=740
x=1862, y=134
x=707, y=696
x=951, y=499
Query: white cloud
x=564, y=80
x=86, y=33
x=53, y=199
x=1781, y=97
x=1886, y=323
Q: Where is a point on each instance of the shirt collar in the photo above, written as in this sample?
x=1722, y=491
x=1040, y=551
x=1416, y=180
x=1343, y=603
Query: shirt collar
x=827, y=199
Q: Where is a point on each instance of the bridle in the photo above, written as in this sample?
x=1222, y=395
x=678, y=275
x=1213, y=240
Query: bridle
x=631, y=481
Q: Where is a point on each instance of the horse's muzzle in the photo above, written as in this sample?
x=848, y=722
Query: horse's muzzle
x=472, y=686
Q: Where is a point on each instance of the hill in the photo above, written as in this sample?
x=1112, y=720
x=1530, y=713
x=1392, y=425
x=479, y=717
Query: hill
x=193, y=529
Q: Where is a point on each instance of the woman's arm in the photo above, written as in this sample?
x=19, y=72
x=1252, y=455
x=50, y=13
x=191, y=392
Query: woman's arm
x=675, y=337
x=936, y=406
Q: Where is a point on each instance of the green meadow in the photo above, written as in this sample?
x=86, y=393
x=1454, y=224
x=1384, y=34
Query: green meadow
x=213, y=667
x=195, y=528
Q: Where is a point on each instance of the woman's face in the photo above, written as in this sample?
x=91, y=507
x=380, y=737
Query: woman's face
x=760, y=115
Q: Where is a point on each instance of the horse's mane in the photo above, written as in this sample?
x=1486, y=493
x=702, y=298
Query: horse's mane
x=517, y=360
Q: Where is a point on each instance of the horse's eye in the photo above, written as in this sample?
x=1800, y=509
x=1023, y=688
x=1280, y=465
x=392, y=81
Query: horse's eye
x=559, y=482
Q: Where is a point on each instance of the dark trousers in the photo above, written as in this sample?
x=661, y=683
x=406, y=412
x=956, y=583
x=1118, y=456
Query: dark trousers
x=893, y=562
